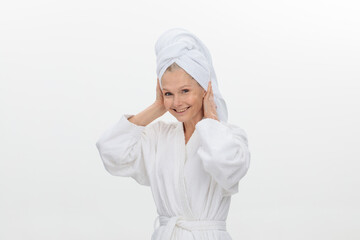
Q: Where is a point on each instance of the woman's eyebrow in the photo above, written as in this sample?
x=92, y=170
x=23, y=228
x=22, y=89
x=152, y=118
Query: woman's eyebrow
x=179, y=87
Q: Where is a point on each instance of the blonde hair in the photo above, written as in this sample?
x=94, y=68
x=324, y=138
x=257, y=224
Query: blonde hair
x=173, y=67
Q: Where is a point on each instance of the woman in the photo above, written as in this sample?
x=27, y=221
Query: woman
x=194, y=165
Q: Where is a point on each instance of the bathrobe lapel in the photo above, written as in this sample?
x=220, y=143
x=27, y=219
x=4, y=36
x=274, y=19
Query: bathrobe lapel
x=181, y=154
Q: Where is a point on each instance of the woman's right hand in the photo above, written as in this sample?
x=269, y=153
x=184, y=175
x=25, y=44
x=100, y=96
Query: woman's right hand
x=155, y=110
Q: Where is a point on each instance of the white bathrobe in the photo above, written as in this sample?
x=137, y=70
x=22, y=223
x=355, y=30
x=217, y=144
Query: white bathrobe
x=191, y=183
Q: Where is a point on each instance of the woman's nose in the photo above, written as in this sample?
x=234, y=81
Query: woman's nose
x=177, y=101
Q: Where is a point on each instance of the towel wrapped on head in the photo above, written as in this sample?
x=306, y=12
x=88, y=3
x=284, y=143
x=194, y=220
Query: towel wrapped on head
x=190, y=53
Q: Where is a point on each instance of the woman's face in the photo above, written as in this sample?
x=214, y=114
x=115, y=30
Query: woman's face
x=182, y=92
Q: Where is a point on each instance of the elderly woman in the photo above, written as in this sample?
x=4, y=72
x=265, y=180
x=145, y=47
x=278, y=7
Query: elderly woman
x=193, y=166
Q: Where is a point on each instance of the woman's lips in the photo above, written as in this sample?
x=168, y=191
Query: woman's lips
x=181, y=112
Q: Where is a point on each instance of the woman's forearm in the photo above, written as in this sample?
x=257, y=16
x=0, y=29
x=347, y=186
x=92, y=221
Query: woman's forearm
x=148, y=115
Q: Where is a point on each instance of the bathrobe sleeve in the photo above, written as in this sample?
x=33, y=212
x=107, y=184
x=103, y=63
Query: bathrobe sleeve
x=121, y=149
x=224, y=153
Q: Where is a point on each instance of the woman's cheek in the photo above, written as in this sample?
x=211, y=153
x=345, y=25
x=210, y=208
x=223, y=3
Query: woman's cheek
x=167, y=104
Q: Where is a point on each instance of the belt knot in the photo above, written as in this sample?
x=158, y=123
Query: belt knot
x=188, y=224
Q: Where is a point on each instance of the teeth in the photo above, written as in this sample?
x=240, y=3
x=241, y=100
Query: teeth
x=183, y=110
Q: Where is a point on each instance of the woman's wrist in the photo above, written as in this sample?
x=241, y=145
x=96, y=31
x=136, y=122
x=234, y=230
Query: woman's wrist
x=159, y=106
x=212, y=117
x=158, y=110
x=148, y=115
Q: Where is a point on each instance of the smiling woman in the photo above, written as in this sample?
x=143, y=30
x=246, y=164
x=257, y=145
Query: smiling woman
x=183, y=98
x=193, y=165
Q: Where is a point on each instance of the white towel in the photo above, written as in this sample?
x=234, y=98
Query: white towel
x=189, y=52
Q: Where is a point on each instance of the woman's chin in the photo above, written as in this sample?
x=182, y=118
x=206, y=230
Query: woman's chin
x=181, y=118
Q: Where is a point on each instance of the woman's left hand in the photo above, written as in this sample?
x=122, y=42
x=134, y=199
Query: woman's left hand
x=209, y=104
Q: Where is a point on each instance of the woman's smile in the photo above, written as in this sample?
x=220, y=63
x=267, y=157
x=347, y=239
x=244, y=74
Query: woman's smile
x=183, y=96
x=180, y=111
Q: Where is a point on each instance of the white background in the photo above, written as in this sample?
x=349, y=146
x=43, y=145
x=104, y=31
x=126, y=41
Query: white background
x=289, y=71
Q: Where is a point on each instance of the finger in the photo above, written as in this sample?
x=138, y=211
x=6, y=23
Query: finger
x=208, y=89
x=211, y=89
x=211, y=92
x=158, y=85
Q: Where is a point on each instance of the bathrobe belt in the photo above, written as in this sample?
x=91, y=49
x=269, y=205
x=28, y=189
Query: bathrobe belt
x=191, y=225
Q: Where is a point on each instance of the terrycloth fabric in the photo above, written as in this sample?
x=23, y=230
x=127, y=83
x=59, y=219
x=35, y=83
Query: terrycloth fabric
x=191, y=183
x=170, y=223
x=190, y=53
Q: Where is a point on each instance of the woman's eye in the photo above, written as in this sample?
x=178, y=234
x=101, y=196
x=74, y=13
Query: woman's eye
x=186, y=90
x=166, y=94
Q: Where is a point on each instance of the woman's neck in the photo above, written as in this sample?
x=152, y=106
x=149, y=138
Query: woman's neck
x=189, y=126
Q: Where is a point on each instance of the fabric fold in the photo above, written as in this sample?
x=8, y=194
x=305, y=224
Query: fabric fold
x=224, y=153
x=121, y=149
